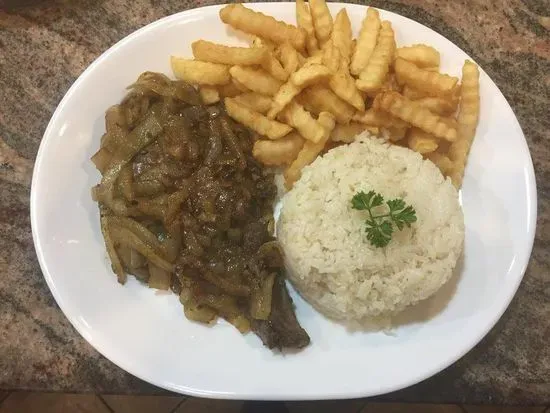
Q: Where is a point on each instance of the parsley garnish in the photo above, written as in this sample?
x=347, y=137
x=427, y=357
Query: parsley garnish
x=379, y=228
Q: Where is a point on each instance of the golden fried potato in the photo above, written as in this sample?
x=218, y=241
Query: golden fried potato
x=396, y=133
x=430, y=83
x=259, y=42
x=331, y=56
x=307, y=75
x=439, y=106
x=405, y=109
x=257, y=80
x=255, y=121
x=209, y=94
x=421, y=141
x=283, y=97
x=200, y=73
x=413, y=94
x=310, y=74
x=468, y=119
x=421, y=55
x=366, y=41
x=296, y=116
x=305, y=21
x=319, y=98
x=272, y=66
x=309, y=151
x=278, y=152
x=255, y=101
x=347, y=133
x=217, y=53
x=373, y=75
x=256, y=23
x=289, y=57
x=343, y=85
x=443, y=162
x=379, y=118
x=322, y=20
x=341, y=34
x=231, y=89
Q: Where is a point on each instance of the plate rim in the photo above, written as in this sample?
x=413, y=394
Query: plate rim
x=531, y=187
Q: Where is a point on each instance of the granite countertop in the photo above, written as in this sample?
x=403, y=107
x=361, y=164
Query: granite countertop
x=45, y=45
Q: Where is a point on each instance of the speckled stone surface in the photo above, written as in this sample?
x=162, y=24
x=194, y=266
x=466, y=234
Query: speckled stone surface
x=45, y=45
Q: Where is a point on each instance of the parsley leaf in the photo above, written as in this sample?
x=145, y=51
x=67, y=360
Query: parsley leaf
x=379, y=228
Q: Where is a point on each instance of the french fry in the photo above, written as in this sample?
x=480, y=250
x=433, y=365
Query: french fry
x=259, y=42
x=343, y=85
x=255, y=121
x=405, y=109
x=331, y=56
x=379, y=118
x=468, y=119
x=289, y=58
x=257, y=80
x=209, y=94
x=272, y=66
x=284, y=96
x=307, y=75
x=421, y=55
x=296, y=116
x=200, y=73
x=421, y=141
x=347, y=133
x=310, y=74
x=309, y=151
x=305, y=21
x=231, y=89
x=439, y=106
x=319, y=98
x=443, y=162
x=256, y=23
x=431, y=83
x=396, y=133
x=412, y=93
x=255, y=101
x=322, y=20
x=373, y=75
x=278, y=152
x=366, y=41
x=217, y=53
x=341, y=34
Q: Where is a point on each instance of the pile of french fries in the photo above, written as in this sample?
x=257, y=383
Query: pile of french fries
x=307, y=88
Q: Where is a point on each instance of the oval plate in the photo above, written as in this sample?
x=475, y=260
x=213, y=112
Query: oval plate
x=146, y=333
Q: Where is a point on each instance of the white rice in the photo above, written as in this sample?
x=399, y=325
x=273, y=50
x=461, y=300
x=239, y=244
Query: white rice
x=332, y=264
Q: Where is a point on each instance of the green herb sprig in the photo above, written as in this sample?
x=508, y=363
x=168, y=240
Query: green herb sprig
x=379, y=228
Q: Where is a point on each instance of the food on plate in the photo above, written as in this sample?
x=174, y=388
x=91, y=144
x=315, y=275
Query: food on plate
x=431, y=83
x=185, y=206
x=468, y=118
x=271, y=129
x=266, y=27
x=255, y=79
x=421, y=55
x=331, y=261
x=372, y=76
x=322, y=20
x=200, y=73
x=366, y=41
x=370, y=225
x=398, y=93
x=305, y=21
x=406, y=110
x=218, y=53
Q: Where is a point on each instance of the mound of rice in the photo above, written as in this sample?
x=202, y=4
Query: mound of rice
x=331, y=263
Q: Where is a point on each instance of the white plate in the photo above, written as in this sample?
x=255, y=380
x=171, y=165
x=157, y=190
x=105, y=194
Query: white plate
x=145, y=332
